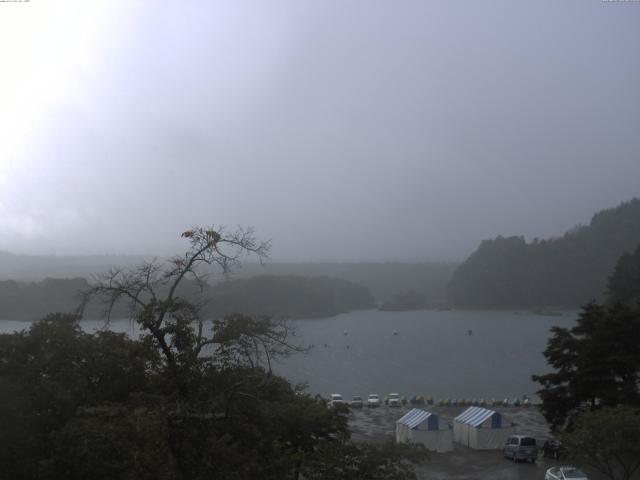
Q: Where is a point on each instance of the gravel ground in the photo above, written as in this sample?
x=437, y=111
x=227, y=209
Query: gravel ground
x=378, y=425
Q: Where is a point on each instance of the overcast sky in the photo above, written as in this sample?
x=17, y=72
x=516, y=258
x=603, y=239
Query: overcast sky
x=341, y=130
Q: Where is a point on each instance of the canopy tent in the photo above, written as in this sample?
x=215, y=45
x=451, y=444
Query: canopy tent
x=419, y=426
x=481, y=429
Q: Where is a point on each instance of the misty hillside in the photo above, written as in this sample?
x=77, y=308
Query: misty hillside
x=383, y=279
x=281, y=296
x=289, y=296
x=34, y=268
x=34, y=300
x=566, y=271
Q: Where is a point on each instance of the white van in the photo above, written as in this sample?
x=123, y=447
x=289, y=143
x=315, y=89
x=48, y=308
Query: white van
x=520, y=447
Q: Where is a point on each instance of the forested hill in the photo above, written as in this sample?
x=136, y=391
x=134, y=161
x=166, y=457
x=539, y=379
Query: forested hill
x=34, y=300
x=567, y=271
x=383, y=279
x=288, y=296
x=282, y=296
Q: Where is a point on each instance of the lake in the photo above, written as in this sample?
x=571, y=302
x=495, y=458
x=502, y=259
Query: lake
x=432, y=352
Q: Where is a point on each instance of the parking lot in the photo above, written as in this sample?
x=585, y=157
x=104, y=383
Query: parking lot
x=377, y=425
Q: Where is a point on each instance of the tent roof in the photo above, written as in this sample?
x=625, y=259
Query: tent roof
x=414, y=417
x=475, y=416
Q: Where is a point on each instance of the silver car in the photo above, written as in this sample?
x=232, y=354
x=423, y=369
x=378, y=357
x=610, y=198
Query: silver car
x=394, y=400
x=520, y=447
x=373, y=401
x=565, y=473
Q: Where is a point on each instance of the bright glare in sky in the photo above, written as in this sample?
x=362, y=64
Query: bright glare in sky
x=408, y=130
x=46, y=49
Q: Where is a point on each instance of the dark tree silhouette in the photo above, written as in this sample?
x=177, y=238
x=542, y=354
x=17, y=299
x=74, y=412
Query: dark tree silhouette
x=151, y=292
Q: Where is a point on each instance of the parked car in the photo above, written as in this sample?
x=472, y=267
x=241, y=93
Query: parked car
x=356, y=402
x=553, y=448
x=520, y=447
x=394, y=400
x=373, y=400
x=335, y=399
x=565, y=473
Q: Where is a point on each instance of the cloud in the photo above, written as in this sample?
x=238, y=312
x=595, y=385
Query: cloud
x=363, y=132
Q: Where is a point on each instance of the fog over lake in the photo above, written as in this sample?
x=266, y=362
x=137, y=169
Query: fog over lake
x=421, y=190
x=431, y=354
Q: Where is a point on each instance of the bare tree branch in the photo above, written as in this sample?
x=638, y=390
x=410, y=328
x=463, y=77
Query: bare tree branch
x=151, y=290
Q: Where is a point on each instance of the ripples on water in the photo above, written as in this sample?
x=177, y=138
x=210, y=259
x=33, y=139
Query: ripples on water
x=432, y=353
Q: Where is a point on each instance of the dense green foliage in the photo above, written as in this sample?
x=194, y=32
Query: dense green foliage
x=596, y=363
x=566, y=271
x=78, y=405
x=624, y=283
x=177, y=403
x=593, y=396
x=288, y=296
x=47, y=374
x=607, y=440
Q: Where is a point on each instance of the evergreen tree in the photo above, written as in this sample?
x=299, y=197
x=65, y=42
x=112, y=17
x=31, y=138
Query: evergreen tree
x=508, y=272
x=624, y=283
x=596, y=363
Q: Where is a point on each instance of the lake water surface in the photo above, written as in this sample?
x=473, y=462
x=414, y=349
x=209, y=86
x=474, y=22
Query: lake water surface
x=432, y=352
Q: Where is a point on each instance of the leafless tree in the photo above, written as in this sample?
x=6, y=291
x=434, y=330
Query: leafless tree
x=151, y=289
x=244, y=339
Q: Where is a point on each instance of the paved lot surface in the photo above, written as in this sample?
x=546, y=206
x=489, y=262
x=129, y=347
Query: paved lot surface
x=378, y=425
x=464, y=463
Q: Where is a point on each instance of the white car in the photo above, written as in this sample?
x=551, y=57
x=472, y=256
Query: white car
x=373, y=400
x=565, y=473
x=394, y=400
x=334, y=399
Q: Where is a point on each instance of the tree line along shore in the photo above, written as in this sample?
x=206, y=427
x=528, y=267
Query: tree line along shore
x=503, y=273
x=188, y=399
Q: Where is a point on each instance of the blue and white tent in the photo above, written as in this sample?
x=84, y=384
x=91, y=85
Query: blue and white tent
x=481, y=429
x=420, y=426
